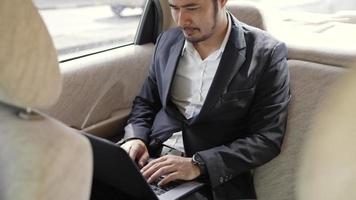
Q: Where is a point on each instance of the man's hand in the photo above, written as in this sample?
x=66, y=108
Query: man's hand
x=137, y=150
x=171, y=168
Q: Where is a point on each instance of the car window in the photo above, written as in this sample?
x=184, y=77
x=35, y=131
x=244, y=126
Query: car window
x=298, y=20
x=313, y=6
x=81, y=27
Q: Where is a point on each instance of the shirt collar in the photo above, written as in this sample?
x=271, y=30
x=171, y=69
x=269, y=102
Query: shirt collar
x=188, y=46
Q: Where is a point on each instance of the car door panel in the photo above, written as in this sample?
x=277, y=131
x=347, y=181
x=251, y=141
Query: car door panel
x=98, y=86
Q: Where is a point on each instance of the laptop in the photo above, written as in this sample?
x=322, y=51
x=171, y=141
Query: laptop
x=113, y=166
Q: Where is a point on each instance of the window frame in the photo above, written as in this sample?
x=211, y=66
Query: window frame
x=150, y=25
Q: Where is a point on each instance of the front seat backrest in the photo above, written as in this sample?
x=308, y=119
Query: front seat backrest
x=310, y=84
x=328, y=161
x=40, y=158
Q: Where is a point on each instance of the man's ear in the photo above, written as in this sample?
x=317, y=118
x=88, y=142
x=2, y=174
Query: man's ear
x=222, y=3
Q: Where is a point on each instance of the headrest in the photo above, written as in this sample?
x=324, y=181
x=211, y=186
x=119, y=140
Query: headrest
x=29, y=72
x=247, y=13
x=322, y=49
x=328, y=164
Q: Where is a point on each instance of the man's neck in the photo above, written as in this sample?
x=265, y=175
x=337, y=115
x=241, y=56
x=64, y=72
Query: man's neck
x=206, y=47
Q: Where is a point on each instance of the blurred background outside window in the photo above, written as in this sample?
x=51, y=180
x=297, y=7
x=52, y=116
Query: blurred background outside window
x=323, y=23
x=80, y=27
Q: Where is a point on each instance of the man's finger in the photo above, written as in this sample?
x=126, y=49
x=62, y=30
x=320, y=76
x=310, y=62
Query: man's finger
x=126, y=147
x=169, y=178
x=133, y=151
x=162, y=171
x=143, y=159
x=153, y=162
x=147, y=173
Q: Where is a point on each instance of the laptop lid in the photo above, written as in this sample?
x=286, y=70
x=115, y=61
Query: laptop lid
x=113, y=166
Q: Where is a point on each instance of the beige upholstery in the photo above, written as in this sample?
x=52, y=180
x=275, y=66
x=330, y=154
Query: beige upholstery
x=40, y=158
x=328, y=42
x=338, y=53
x=98, y=86
x=319, y=46
x=167, y=16
x=310, y=83
x=24, y=39
x=328, y=165
x=247, y=13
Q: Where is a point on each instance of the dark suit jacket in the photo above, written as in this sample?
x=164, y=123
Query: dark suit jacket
x=242, y=122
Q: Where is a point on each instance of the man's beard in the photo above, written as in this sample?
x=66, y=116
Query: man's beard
x=202, y=38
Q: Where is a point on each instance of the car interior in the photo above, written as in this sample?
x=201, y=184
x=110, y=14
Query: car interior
x=40, y=158
x=46, y=103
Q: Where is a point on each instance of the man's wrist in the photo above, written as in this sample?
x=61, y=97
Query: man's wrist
x=199, y=162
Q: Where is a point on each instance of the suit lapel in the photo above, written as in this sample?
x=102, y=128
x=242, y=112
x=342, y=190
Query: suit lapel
x=174, y=55
x=231, y=61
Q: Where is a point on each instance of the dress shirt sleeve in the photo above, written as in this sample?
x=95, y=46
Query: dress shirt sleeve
x=267, y=119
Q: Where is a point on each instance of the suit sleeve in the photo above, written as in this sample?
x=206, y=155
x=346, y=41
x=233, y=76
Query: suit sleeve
x=145, y=106
x=266, y=125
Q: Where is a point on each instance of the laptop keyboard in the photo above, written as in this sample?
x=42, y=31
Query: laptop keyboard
x=161, y=190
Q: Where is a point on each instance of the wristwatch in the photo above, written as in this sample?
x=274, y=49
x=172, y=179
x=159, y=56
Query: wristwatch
x=198, y=161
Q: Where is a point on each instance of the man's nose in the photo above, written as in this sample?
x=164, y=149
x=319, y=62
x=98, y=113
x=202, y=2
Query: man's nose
x=183, y=19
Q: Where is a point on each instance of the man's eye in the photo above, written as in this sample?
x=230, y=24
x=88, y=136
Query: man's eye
x=192, y=8
x=174, y=8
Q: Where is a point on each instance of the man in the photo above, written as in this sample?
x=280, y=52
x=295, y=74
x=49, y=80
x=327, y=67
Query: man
x=223, y=88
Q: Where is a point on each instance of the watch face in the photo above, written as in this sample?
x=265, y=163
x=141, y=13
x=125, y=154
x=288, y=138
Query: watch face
x=197, y=160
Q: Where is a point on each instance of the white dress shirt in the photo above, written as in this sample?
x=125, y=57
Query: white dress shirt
x=192, y=81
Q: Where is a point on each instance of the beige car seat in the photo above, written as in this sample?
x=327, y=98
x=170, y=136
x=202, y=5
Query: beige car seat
x=247, y=13
x=40, y=158
x=328, y=161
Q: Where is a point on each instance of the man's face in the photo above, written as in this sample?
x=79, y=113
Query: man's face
x=196, y=18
